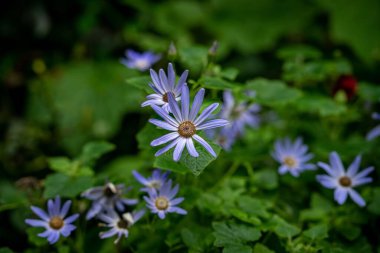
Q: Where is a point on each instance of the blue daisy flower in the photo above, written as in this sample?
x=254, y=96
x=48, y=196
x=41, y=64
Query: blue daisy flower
x=162, y=85
x=344, y=181
x=185, y=124
x=140, y=61
x=292, y=156
x=163, y=201
x=155, y=181
x=375, y=132
x=54, y=220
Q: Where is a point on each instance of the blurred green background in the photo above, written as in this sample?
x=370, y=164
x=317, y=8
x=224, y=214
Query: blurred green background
x=63, y=84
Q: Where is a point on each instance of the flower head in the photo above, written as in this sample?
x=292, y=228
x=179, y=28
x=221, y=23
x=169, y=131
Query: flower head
x=239, y=115
x=164, y=85
x=156, y=181
x=54, y=220
x=119, y=224
x=344, y=181
x=185, y=124
x=292, y=156
x=163, y=201
x=106, y=197
x=375, y=132
x=140, y=61
x=348, y=84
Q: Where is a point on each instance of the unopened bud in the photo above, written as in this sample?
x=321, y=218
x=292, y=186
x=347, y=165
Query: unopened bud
x=214, y=47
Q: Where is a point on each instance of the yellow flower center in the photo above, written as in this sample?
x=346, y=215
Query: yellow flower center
x=56, y=222
x=290, y=161
x=345, y=181
x=162, y=203
x=186, y=129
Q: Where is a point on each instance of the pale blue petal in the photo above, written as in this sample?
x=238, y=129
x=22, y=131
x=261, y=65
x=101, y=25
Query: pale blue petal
x=163, y=124
x=185, y=103
x=40, y=213
x=174, y=107
x=327, y=182
x=206, y=113
x=356, y=197
x=375, y=132
x=340, y=195
x=364, y=173
x=197, y=103
x=190, y=147
x=207, y=146
x=214, y=123
x=178, y=149
x=65, y=208
x=354, y=167
x=336, y=163
x=165, y=115
x=164, y=139
x=36, y=223
x=165, y=149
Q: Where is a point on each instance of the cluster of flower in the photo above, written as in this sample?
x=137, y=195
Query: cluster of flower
x=182, y=121
x=109, y=206
x=294, y=159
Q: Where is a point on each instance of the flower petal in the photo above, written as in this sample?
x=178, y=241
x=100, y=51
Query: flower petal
x=65, y=208
x=375, y=132
x=71, y=218
x=356, y=197
x=163, y=114
x=213, y=124
x=108, y=233
x=165, y=149
x=190, y=147
x=197, y=103
x=340, y=195
x=354, y=167
x=164, y=139
x=178, y=149
x=327, y=182
x=336, y=164
x=185, y=103
x=163, y=124
x=206, y=113
x=139, y=177
x=207, y=146
x=174, y=107
x=40, y=213
x=36, y=223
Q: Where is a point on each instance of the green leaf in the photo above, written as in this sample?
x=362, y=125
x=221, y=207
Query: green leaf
x=253, y=206
x=370, y=92
x=34, y=238
x=5, y=250
x=140, y=82
x=195, y=164
x=216, y=83
x=266, y=179
x=229, y=73
x=93, y=150
x=193, y=240
x=194, y=58
x=374, y=206
x=322, y=105
x=349, y=230
x=299, y=52
x=260, y=248
x=243, y=216
x=66, y=186
x=60, y=164
x=11, y=197
x=273, y=92
x=234, y=234
x=282, y=228
x=317, y=232
x=237, y=248
x=363, y=36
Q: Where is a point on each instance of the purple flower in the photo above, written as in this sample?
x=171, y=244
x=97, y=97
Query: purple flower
x=239, y=115
x=119, y=225
x=164, y=85
x=140, y=61
x=293, y=157
x=105, y=198
x=344, y=181
x=163, y=201
x=375, y=132
x=154, y=182
x=185, y=124
x=54, y=220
